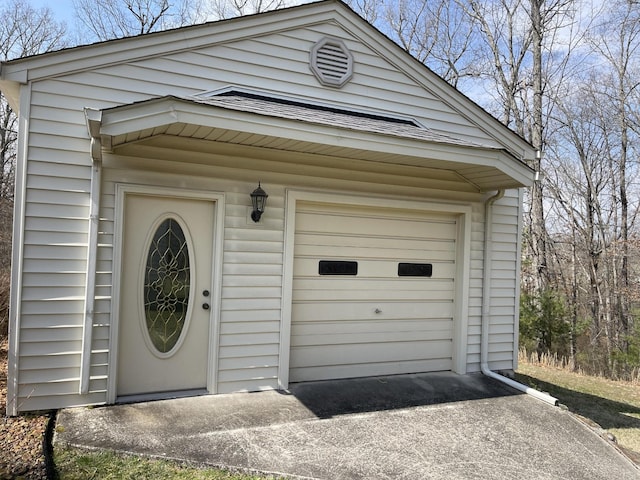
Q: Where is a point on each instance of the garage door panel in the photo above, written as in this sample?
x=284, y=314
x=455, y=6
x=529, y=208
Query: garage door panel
x=368, y=353
x=386, y=241
x=316, y=251
x=370, y=268
x=371, y=337
x=369, y=369
x=366, y=226
x=366, y=310
x=337, y=294
x=376, y=284
x=369, y=211
x=375, y=325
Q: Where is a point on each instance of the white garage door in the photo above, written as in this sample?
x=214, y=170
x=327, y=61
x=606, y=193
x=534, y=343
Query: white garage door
x=373, y=292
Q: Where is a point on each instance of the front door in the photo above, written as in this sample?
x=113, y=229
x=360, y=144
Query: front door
x=165, y=297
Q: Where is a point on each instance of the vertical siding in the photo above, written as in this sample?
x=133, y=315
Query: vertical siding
x=57, y=205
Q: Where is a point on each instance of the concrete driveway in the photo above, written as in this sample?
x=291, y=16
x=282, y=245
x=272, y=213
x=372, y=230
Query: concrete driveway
x=426, y=426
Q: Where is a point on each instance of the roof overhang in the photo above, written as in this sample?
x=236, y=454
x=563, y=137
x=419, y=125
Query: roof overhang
x=198, y=124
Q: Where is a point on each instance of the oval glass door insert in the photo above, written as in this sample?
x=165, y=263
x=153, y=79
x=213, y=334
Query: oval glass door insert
x=166, y=285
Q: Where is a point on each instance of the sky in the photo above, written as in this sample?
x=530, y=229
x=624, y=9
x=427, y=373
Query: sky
x=62, y=9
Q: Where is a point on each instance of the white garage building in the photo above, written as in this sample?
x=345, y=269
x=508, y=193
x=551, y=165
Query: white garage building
x=389, y=241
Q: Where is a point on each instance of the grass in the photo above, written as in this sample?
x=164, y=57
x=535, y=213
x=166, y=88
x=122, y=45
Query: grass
x=75, y=464
x=612, y=405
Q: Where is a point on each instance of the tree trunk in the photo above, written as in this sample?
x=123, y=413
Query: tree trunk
x=538, y=230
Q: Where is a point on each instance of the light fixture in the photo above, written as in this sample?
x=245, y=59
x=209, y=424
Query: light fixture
x=258, y=200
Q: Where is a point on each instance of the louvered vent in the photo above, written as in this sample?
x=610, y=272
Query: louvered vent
x=331, y=62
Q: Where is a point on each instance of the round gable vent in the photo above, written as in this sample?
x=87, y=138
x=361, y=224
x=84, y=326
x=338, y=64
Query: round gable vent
x=331, y=62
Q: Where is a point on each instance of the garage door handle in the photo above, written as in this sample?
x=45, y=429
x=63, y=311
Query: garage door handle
x=377, y=310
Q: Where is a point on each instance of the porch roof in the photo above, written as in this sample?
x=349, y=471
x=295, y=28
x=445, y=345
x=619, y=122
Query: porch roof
x=318, y=132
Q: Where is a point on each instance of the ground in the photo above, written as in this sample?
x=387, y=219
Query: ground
x=21, y=448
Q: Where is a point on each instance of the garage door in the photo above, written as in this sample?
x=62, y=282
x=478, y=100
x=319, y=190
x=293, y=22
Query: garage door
x=373, y=292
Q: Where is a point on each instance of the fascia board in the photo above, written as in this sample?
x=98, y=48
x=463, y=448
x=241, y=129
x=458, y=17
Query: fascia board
x=131, y=49
x=516, y=169
x=168, y=110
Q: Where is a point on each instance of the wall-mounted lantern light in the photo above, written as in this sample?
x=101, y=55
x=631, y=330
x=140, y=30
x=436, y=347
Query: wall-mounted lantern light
x=258, y=200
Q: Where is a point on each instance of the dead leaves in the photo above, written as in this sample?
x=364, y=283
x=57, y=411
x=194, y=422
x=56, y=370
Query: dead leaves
x=21, y=438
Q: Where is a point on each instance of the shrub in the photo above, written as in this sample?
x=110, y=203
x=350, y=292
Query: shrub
x=544, y=323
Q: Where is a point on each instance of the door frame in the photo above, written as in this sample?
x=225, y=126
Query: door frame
x=463, y=211
x=218, y=200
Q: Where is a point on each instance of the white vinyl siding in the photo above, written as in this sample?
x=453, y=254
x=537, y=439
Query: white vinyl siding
x=251, y=292
x=57, y=206
x=504, y=284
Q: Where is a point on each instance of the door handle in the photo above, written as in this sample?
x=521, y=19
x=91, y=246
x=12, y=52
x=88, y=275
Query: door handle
x=205, y=306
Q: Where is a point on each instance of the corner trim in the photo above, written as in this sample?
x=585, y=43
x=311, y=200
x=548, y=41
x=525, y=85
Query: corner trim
x=17, y=257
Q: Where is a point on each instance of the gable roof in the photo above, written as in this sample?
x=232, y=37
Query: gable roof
x=87, y=57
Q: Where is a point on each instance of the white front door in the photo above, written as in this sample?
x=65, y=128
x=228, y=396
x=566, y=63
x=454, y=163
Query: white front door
x=165, y=306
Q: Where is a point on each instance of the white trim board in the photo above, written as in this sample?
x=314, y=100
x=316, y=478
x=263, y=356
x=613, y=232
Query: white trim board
x=17, y=254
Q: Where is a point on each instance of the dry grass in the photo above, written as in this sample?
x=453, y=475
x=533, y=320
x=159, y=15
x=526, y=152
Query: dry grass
x=612, y=405
x=564, y=363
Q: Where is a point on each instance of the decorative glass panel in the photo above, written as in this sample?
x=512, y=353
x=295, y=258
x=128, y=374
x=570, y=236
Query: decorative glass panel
x=166, y=285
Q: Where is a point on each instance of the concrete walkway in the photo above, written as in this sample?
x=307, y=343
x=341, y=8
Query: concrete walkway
x=427, y=426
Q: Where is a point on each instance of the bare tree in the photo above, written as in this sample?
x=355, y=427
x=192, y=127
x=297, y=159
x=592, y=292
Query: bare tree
x=593, y=188
x=617, y=41
x=222, y=9
x=108, y=19
x=438, y=33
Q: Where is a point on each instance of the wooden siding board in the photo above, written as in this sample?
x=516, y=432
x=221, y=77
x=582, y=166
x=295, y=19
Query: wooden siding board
x=57, y=197
x=58, y=94
x=55, y=238
x=64, y=129
x=255, y=326
x=253, y=385
x=60, y=401
x=250, y=315
x=248, y=362
x=244, y=351
x=256, y=374
x=51, y=321
x=58, y=183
